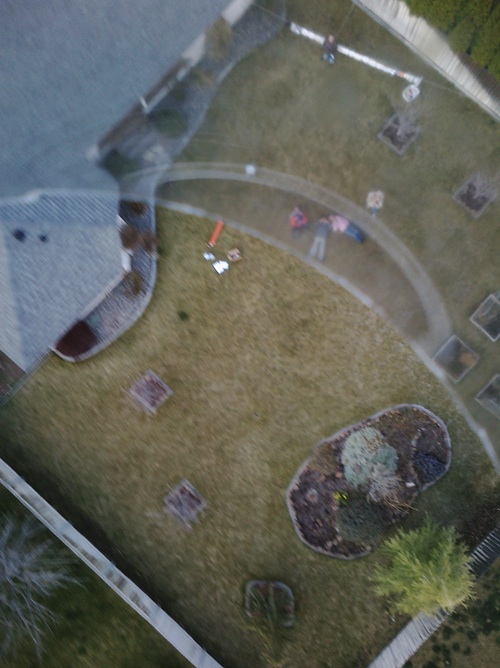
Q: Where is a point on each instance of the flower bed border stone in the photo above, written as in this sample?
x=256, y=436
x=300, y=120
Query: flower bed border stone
x=334, y=481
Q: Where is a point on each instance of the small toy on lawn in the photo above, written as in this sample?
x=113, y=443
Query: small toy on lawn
x=220, y=266
x=215, y=234
x=233, y=255
x=374, y=201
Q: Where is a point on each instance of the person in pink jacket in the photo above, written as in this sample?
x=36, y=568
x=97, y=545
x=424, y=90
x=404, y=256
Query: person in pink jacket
x=341, y=225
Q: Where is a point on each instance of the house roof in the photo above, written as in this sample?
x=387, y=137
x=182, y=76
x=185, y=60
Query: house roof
x=58, y=253
x=71, y=69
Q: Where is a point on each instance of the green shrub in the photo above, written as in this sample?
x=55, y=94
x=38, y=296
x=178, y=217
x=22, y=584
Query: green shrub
x=129, y=236
x=494, y=66
x=485, y=43
x=386, y=457
x=362, y=451
x=461, y=35
x=360, y=522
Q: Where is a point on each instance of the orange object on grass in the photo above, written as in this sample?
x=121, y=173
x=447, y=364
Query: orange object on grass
x=216, y=233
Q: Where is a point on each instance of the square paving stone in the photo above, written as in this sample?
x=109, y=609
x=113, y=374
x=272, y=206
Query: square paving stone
x=489, y=397
x=487, y=317
x=150, y=392
x=456, y=358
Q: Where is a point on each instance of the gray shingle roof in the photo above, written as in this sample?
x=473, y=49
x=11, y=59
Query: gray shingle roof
x=58, y=253
x=71, y=69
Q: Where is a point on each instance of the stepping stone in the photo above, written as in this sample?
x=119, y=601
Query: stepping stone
x=456, y=358
x=489, y=397
x=184, y=503
x=150, y=392
x=487, y=317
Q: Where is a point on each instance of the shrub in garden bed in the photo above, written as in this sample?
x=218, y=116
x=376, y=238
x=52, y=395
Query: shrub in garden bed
x=270, y=602
x=365, y=478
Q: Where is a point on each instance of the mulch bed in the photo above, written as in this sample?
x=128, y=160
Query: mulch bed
x=474, y=197
x=319, y=491
x=396, y=139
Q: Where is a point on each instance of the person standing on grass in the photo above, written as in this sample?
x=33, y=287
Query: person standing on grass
x=318, y=246
x=329, y=49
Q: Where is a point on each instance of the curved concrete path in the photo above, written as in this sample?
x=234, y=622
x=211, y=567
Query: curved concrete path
x=437, y=322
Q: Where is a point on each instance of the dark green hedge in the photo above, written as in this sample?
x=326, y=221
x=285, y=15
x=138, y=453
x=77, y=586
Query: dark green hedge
x=473, y=27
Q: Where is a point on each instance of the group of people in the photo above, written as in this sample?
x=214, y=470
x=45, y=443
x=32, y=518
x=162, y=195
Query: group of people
x=323, y=226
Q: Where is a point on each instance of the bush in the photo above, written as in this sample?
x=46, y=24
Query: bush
x=494, y=66
x=384, y=486
x=428, y=468
x=486, y=41
x=30, y=571
x=149, y=241
x=461, y=35
x=360, y=522
x=428, y=569
x=134, y=283
x=364, y=449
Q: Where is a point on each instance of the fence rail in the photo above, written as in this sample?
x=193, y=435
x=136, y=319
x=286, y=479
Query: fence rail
x=106, y=570
x=432, y=46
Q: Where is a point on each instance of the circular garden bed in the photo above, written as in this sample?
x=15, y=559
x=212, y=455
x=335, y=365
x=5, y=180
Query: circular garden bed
x=365, y=478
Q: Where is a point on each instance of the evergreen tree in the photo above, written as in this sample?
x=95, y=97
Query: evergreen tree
x=428, y=569
x=30, y=570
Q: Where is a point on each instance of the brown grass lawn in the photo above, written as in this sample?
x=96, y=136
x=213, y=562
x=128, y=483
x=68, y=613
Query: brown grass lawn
x=272, y=358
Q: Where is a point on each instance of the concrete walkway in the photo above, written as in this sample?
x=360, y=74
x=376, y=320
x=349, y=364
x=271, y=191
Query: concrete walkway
x=385, y=276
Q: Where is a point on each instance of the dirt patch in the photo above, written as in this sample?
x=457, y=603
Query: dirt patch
x=365, y=478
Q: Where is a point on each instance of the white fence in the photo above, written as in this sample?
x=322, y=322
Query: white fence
x=106, y=570
x=432, y=46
